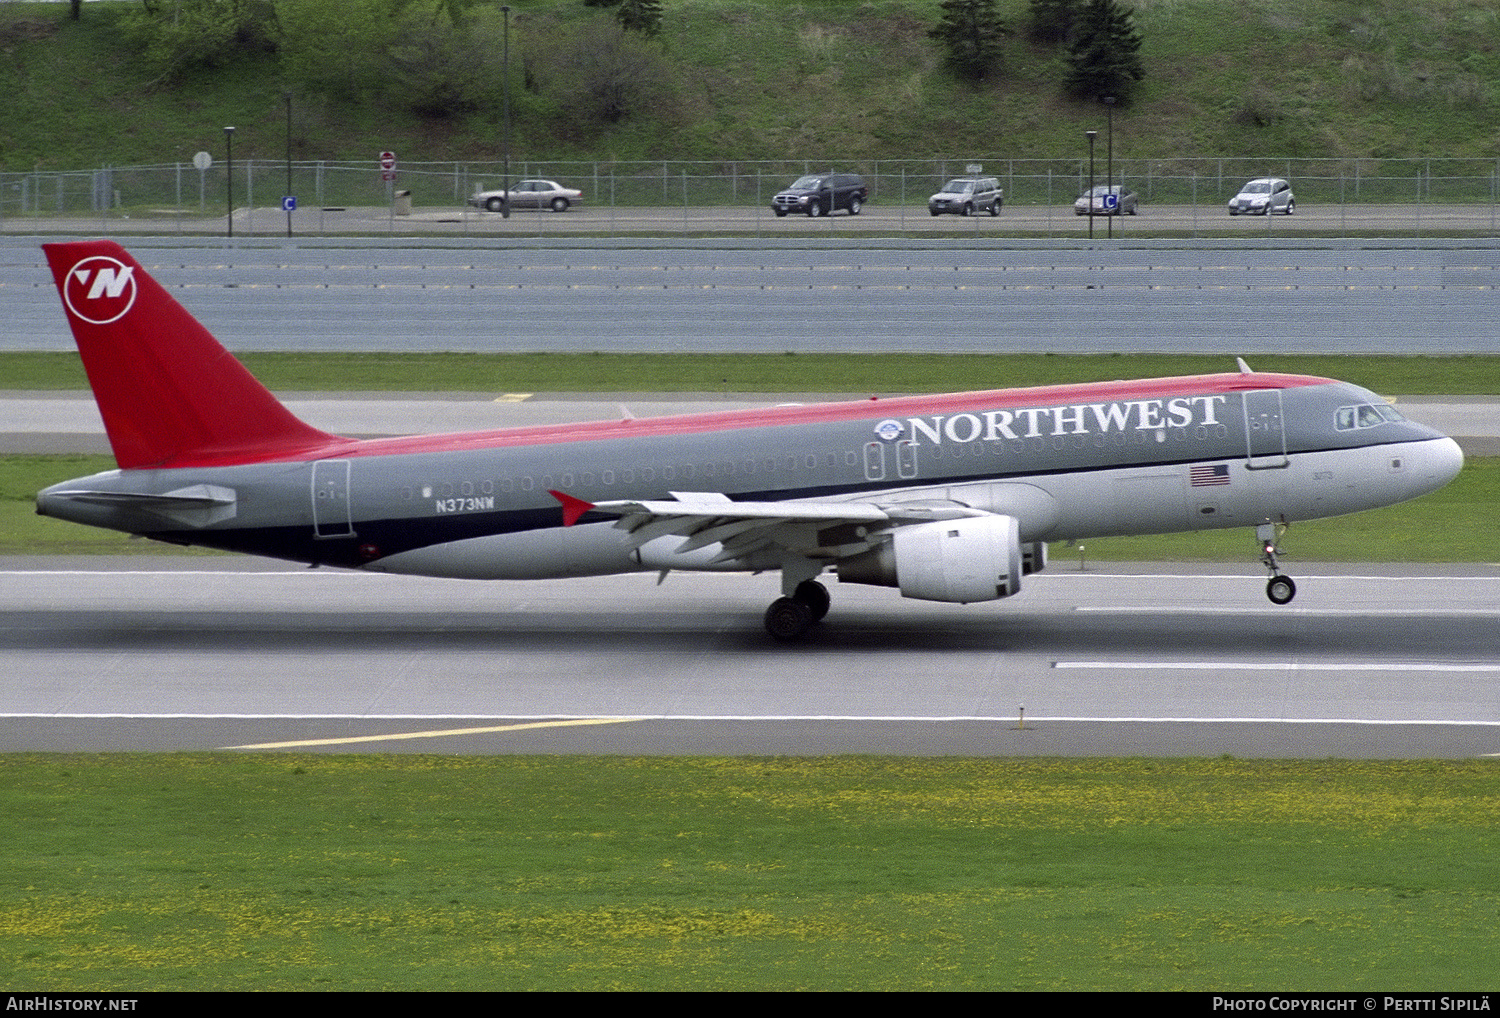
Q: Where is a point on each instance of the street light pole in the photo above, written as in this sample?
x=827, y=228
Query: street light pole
x=288, y=97
x=1089, y=199
x=505, y=143
x=229, y=175
x=1109, y=106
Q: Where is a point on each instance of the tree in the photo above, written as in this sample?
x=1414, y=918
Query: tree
x=598, y=75
x=336, y=48
x=440, y=70
x=436, y=58
x=1050, y=22
x=194, y=34
x=972, y=32
x=1104, y=58
x=643, y=16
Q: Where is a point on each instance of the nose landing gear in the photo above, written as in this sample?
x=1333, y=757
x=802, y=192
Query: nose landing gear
x=1280, y=588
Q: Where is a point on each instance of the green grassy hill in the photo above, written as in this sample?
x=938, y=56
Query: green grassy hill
x=817, y=79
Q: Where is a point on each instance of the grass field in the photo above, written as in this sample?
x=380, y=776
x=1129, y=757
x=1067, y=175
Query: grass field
x=812, y=80
x=223, y=872
x=1464, y=374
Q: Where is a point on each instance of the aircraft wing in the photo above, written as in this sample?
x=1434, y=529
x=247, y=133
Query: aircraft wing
x=816, y=529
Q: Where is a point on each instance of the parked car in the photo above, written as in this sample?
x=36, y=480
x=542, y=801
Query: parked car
x=529, y=194
x=819, y=194
x=965, y=196
x=1263, y=195
x=1107, y=200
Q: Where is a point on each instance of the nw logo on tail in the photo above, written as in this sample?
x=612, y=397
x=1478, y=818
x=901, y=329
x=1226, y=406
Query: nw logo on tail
x=100, y=289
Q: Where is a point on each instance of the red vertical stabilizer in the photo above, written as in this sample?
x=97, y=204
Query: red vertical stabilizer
x=167, y=390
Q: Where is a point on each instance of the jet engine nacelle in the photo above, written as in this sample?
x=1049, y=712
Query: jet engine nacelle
x=969, y=559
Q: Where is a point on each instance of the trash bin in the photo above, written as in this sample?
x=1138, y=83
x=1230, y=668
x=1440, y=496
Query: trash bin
x=402, y=204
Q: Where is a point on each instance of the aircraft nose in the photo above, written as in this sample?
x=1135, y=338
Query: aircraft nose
x=1442, y=459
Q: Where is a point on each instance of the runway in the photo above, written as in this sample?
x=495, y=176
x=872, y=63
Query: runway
x=212, y=653
x=807, y=296
x=209, y=653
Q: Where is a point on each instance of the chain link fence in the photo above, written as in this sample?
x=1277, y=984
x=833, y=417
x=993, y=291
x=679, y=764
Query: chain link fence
x=180, y=196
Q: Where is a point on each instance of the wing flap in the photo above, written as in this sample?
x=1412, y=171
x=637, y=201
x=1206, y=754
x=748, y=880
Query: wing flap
x=697, y=506
x=745, y=529
x=741, y=529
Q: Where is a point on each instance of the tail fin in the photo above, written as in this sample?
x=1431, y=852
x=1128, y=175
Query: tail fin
x=169, y=393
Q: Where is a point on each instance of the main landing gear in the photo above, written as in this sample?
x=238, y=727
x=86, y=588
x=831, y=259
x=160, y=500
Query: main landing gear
x=789, y=617
x=1280, y=588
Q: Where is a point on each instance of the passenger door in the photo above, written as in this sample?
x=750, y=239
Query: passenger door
x=1265, y=431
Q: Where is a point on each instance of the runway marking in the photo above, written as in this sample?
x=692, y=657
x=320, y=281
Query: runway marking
x=1051, y=576
x=436, y=734
x=302, y=571
x=1064, y=572
x=1280, y=666
x=1272, y=610
x=556, y=720
x=932, y=282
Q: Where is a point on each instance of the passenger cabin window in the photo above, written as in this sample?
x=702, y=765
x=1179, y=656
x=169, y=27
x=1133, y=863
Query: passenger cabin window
x=1366, y=415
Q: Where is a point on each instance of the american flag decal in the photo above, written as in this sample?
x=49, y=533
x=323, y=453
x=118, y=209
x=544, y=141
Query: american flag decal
x=1204, y=476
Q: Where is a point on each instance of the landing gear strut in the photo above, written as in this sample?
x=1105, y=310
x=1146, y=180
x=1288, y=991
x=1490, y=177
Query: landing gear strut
x=1280, y=588
x=790, y=617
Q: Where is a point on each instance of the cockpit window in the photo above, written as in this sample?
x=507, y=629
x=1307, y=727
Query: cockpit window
x=1366, y=415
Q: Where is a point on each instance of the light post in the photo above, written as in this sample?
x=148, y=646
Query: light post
x=505, y=137
x=287, y=96
x=1088, y=205
x=229, y=175
x=1109, y=107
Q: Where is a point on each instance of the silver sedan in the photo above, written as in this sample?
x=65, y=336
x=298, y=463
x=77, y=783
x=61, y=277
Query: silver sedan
x=529, y=194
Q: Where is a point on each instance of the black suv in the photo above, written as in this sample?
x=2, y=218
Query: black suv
x=819, y=194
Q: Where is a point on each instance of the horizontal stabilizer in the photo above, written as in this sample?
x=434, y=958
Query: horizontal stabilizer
x=196, y=506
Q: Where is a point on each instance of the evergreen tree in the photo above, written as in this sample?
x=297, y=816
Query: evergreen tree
x=1104, y=58
x=1051, y=21
x=643, y=16
x=972, y=32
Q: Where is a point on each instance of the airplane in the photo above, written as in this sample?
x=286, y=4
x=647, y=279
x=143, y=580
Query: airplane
x=949, y=498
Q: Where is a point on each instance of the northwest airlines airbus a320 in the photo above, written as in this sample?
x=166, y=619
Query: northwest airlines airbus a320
x=946, y=498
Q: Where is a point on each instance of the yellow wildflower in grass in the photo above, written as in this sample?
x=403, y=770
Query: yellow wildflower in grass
x=294, y=872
